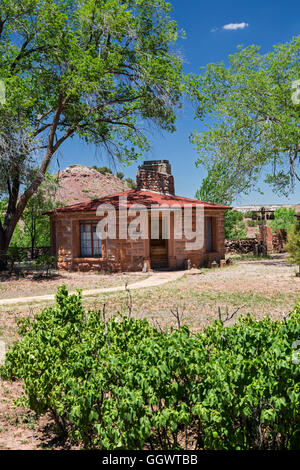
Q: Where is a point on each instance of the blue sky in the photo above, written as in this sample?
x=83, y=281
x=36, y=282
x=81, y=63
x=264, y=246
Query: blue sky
x=267, y=22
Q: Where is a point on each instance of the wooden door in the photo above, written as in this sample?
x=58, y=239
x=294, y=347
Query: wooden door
x=158, y=246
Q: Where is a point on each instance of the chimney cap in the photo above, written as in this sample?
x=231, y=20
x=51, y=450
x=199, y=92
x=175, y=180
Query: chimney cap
x=155, y=175
x=155, y=162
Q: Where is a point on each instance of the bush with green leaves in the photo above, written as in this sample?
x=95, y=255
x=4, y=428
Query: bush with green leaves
x=251, y=223
x=293, y=244
x=104, y=170
x=47, y=262
x=17, y=253
x=123, y=384
x=131, y=183
x=235, y=226
x=284, y=218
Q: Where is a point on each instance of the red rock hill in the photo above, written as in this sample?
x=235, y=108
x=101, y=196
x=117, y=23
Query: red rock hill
x=79, y=183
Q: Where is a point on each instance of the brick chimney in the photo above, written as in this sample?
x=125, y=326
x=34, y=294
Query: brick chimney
x=155, y=175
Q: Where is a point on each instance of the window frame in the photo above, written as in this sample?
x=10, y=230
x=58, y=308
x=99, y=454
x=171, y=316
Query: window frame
x=91, y=224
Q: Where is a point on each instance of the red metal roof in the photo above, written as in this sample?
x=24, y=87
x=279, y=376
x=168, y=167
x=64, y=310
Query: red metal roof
x=135, y=197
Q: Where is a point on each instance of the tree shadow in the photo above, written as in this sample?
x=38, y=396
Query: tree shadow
x=46, y=277
x=49, y=439
x=39, y=276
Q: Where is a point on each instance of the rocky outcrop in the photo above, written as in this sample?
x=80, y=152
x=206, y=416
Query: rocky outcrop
x=79, y=183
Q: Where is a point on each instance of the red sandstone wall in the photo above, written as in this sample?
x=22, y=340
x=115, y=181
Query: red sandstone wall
x=199, y=258
x=268, y=237
x=127, y=255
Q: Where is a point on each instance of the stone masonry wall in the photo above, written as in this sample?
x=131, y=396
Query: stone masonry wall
x=279, y=240
x=64, y=244
x=268, y=237
x=247, y=245
x=118, y=255
x=129, y=255
x=241, y=245
x=200, y=257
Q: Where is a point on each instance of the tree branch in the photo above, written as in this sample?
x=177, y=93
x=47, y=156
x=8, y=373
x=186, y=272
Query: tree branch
x=51, y=149
x=24, y=53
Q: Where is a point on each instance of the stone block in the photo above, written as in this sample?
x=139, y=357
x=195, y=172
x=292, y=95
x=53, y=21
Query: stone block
x=213, y=264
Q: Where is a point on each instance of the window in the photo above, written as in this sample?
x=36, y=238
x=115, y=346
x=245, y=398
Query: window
x=209, y=234
x=90, y=243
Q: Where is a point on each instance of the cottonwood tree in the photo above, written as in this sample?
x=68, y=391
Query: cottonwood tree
x=284, y=217
x=216, y=187
x=254, y=107
x=103, y=70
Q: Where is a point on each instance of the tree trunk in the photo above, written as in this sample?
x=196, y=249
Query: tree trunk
x=7, y=228
x=3, y=250
x=32, y=249
x=32, y=231
x=11, y=218
x=15, y=209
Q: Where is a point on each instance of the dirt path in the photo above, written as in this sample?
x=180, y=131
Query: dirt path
x=156, y=279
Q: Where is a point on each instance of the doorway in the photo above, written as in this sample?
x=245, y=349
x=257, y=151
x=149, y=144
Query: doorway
x=159, y=242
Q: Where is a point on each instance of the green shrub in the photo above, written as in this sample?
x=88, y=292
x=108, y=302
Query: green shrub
x=17, y=253
x=293, y=243
x=46, y=261
x=131, y=183
x=284, y=217
x=103, y=169
x=252, y=223
x=235, y=227
x=122, y=384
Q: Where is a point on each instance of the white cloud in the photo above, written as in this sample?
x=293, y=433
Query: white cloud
x=235, y=26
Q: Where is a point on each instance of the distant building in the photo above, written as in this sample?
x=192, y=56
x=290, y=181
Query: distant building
x=271, y=207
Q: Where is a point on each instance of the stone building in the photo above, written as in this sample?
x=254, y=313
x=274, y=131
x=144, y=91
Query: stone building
x=140, y=229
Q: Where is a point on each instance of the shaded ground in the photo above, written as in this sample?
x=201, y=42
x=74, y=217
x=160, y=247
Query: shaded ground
x=35, y=283
x=262, y=287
